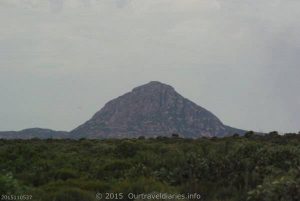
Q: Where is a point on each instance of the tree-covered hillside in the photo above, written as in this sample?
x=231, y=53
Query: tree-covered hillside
x=253, y=168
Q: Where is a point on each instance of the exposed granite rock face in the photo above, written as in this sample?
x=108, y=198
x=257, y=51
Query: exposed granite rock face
x=151, y=110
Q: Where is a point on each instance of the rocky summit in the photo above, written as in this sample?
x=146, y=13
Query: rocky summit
x=152, y=110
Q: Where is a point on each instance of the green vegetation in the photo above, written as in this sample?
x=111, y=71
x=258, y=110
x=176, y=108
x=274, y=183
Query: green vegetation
x=250, y=168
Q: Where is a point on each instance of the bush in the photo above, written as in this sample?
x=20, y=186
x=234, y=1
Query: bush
x=141, y=185
x=65, y=174
x=115, y=168
x=73, y=194
x=126, y=149
x=285, y=188
x=8, y=185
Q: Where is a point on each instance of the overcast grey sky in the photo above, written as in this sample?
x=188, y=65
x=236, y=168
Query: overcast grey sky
x=62, y=60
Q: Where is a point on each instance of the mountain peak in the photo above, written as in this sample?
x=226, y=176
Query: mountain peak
x=154, y=86
x=150, y=110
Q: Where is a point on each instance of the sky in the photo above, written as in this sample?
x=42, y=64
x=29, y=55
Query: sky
x=62, y=60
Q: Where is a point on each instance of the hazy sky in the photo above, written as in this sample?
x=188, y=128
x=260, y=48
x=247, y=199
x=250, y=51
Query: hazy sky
x=62, y=60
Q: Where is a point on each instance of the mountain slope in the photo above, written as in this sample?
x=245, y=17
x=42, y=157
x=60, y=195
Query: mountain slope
x=154, y=109
x=34, y=133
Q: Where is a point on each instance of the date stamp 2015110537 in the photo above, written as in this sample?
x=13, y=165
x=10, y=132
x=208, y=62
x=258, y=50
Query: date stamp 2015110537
x=15, y=197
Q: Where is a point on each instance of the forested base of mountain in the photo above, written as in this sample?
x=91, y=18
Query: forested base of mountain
x=253, y=168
